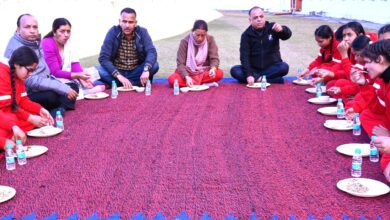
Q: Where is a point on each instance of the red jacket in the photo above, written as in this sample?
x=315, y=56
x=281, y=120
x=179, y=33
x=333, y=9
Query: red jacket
x=26, y=107
x=330, y=51
x=346, y=63
x=376, y=95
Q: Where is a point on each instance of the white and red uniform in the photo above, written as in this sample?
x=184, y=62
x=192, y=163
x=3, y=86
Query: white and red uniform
x=342, y=75
x=377, y=98
x=9, y=118
x=321, y=63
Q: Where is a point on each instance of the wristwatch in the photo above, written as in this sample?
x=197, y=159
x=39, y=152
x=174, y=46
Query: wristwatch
x=146, y=69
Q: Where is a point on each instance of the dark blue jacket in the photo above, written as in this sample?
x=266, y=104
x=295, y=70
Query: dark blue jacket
x=144, y=45
x=260, y=49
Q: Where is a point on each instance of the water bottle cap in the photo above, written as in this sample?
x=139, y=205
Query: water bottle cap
x=9, y=146
x=357, y=114
x=18, y=141
x=373, y=137
x=358, y=150
x=58, y=113
x=339, y=100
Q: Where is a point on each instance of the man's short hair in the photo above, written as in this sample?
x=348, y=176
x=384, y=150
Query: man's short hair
x=20, y=18
x=253, y=8
x=128, y=11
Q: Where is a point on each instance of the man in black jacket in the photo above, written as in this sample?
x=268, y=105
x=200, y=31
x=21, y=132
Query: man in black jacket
x=260, y=51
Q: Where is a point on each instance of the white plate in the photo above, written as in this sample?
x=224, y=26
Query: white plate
x=123, y=89
x=370, y=187
x=195, y=88
x=256, y=85
x=349, y=149
x=6, y=193
x=320, y=102
x=301, y=82
x=35, y=150
x=98, y=95
x=313, y=89
x=340, y=125
x=328, y=110
x=46, y=131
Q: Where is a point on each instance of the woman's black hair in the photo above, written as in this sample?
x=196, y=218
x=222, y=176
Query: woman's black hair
x=379, y=48
x=360, y=42
x=200, y=24
x=23, y=56
x=384, y=29
x=356, y=27
x=339, y=33
x=325, y=32
x=57, y=23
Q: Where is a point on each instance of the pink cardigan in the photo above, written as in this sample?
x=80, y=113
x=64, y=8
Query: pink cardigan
x=54, y=60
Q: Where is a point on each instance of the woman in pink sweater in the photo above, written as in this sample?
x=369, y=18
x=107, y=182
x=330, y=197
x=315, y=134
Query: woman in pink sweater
x=61, y=59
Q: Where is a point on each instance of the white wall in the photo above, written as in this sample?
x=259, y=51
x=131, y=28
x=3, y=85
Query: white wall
x=91, y=19
x=377, y=11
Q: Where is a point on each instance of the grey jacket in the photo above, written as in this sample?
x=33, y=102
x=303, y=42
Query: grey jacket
x=40, y=80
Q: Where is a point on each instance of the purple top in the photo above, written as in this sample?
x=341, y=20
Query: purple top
x=54, y=60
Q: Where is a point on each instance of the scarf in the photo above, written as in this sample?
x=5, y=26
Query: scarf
x=195, y=62
x=67, y=59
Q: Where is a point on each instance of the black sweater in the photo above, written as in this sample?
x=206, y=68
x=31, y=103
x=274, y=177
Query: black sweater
x=260, y=49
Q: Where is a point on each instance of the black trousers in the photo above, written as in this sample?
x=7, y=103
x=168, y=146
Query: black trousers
x=51, y=100
x=274, y=73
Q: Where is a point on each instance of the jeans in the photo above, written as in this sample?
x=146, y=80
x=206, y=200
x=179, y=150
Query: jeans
x=274, y=73
x=132, y=75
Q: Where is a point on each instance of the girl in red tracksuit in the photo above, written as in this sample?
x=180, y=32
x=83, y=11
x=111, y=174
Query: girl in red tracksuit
x=376, y=91
x=17, y=113
x=350, y=31
x=341, y=86
x=328, y=55
x=344, y=88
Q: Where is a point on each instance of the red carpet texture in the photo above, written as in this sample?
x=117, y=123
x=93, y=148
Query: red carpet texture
x=230, y=149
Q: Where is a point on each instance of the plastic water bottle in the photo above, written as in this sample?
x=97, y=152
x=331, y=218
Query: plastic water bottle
x=318, y=90
x=148, y=89
x=176, y=90
x=340, y=109
x=356, y=170
x=21, y=154
x=114, y=90
x=9, y=158
x=59, y=121
x=356, y=129
x=299, y=71
x=263, y=83
x=374, y=155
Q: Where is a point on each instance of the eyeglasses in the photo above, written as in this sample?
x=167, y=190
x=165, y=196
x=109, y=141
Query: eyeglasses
x=29, y=70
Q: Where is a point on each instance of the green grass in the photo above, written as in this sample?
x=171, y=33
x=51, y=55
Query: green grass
x=298, y=51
